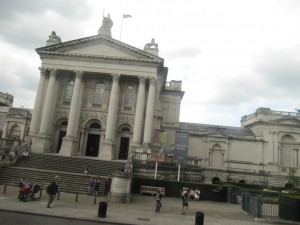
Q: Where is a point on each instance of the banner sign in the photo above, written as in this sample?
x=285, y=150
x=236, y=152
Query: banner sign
x=181, y=147
x=158, y=145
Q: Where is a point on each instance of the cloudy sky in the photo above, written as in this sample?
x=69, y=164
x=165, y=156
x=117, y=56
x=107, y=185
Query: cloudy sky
x=233, y=56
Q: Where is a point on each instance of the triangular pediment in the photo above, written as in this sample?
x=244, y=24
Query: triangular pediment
x=99, y=47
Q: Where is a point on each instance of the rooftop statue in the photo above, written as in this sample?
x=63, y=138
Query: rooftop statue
x=54, y=37
x=107, y=22
x=106, y=26
x=151, y=45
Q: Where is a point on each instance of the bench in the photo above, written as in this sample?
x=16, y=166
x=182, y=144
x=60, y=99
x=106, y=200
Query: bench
x=152, y=190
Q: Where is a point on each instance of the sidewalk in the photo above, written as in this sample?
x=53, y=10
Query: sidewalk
x=139, y=211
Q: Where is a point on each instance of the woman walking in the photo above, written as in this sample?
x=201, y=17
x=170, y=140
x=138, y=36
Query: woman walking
x=185, y=198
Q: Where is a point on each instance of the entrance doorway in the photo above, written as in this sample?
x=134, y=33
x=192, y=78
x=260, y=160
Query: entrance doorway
x=62, y=134
x=124, y=147
x=92, y=147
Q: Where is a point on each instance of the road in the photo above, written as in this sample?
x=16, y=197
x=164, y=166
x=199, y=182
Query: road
x=19, y=218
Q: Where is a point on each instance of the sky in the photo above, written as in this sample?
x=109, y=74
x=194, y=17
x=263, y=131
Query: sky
x=232, y=56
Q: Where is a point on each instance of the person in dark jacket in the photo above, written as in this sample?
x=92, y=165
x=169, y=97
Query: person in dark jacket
x=107, y=184
x=185, y=198
x=158, y=200
x=52, y=191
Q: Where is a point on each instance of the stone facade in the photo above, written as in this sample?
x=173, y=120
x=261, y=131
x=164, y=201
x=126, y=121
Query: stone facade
x=102, y=98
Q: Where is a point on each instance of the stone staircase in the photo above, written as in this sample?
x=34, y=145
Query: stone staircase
x=42, y=168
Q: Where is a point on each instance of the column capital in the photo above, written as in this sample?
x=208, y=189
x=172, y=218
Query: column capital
x=115, y=77
x=43, y=71
x=78, y=74
x=152, y=80
x=142, y=79
x=53, y=72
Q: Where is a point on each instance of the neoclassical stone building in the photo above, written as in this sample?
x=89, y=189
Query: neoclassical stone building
x=99, y=97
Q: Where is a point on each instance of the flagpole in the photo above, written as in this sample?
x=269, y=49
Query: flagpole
x=121, y=27
x=155, y=171
x=178, y=176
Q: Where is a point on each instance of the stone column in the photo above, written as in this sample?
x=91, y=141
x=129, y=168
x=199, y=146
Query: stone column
x=74, y=103
x=107, y=151
x=41, y=142
x=38, y=103
x=70, y=143
x=112, y=109
x=149, y=113
x=139, y=113
x=48, y=103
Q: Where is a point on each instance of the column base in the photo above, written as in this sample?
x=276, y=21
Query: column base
x=69, y=146
x=41, y=144
x=107, y=151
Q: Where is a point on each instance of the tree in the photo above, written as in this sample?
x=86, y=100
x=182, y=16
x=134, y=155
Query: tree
x=293, y=180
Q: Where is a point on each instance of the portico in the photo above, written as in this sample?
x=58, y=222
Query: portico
x=101, y=104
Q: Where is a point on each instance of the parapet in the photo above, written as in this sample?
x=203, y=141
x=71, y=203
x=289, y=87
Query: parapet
x=173, y=85
x=6, y=99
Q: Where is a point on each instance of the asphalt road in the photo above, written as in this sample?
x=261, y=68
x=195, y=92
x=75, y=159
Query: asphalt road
x=19, y=218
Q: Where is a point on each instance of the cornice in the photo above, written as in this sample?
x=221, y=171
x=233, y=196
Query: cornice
x=85, y=56
x=53, y=50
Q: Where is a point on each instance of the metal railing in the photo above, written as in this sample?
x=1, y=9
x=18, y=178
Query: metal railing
x=253, y=204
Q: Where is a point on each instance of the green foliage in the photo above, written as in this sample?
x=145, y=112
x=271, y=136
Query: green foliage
x=293, y=179
x=271, y=200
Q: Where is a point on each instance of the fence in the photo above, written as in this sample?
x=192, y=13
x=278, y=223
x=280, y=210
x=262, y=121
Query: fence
x=253, y=204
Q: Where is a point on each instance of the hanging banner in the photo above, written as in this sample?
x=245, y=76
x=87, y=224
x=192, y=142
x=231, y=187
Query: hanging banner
x=181, y=147
x=158, y=145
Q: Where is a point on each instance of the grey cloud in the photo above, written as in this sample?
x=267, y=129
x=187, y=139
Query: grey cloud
x=183, y=52
x=281, y=70
x=73, y=9
x=19, y=26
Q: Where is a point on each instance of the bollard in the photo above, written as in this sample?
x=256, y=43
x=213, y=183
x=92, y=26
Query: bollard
x=199, y=220
x=76, y=198
x=102, y=209
x=4, y=189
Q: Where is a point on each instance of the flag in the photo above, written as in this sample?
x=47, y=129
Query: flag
x=126, y=16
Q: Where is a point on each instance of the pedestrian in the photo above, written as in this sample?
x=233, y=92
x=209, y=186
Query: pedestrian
x=197, y=194
x=158, y=200
x=96, y=188
x=91, y=184
x=107, y=184
x=185, y=198
x=86, y=169
x=25, y=155
x=52, y=190
x=22, y=183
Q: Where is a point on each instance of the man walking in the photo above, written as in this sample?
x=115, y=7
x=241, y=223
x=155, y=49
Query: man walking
x=52, y=190
x=107, y=184
x=158, y=200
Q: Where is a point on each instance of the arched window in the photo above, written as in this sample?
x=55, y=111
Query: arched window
x=217, y=156
x=64, y=123
x=99, y=94
x=126, y=129
x=288, y=155
x=69, y=91
x=128, y=98
x=95, y=126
